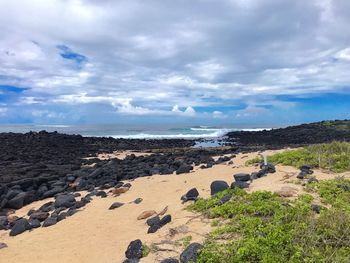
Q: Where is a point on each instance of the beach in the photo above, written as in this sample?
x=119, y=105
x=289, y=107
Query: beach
x=97, y=234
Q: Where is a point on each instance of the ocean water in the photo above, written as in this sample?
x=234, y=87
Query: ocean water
x=133, y=131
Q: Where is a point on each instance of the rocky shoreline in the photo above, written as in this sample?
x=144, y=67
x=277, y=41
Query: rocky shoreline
x=67, y=171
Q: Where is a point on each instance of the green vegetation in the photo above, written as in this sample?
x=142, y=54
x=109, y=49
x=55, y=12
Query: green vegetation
x=263, y=227
x=255, y=160
x=186, y=241
x=337, y=125
x=333, y=156
x=145, y=250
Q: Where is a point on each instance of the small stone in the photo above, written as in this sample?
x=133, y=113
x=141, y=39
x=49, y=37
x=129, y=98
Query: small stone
x=115, y=205
x=2, y=245
x=146, y=214
x=138, y=200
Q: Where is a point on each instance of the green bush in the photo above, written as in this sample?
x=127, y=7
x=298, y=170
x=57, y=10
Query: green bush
x=333, y=156
x=263, y=227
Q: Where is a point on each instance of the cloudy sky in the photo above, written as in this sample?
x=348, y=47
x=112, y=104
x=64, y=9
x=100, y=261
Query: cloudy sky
x=198, y=61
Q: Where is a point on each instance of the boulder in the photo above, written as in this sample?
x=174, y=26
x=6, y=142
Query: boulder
x=218, y=186
x=170, y=260
x=61, y=216
x=268, y=168
x=3, y=245
x=115, y=205
x=225, y=199
x=153, y=220
x=242, y=177
x=64, y=201
x=50, y=221
x=184, y=168
x=34, y=223
x=190, y=254
x=20, y=226
x=239, y=184
x=134, y=250
x=103, y=194
x=41, y=216
x=3, y=223
x=17, y=202
x=192, y=194
x=47, y=207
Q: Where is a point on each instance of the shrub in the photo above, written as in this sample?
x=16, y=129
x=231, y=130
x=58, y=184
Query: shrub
x=333, y=156
x=263, y=227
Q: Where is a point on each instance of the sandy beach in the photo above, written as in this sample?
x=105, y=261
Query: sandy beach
x=97, y=234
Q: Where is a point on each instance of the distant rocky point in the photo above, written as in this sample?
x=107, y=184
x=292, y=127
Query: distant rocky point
x=311, y=133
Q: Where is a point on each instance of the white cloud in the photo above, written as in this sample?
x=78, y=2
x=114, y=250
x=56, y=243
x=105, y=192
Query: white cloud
x=143, y=58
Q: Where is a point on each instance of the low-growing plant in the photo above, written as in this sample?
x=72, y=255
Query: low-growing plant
x=333, y=156
x=186, y=241
x=145, y=250
x=263, y=227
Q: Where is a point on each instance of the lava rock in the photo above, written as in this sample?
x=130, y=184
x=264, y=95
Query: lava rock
x=239, y=184
x=17, y=202
x=170, y=260
x=134, y=250
x=190, y=254
x=47, y=207
x=241, y=177
x=316, y=208
x=115, y=205
x=269, y=168
x=20, y=226
x=184, y=168
x=103, y=194
x=41, y=216
x=153, y=221
x=64, y=201
x=138, y=200
x=50, y=221
x=34, y=223
x=225, y=199
x=192, y=194
x=218, y=186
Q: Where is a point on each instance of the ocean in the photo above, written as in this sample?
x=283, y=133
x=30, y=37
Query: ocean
x=133, y=131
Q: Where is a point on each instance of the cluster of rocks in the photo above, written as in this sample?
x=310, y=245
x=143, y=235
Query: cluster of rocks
x=319, y=132
x=135, y=252
x=50, y=213
x=103, y=174
x=305, y=171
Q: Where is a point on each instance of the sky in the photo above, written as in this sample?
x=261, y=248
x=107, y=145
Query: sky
x=174, y=61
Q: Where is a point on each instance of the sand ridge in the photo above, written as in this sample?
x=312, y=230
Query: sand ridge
x=97, y=234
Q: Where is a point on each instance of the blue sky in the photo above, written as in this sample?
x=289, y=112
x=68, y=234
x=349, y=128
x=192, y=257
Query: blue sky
x=194, y=62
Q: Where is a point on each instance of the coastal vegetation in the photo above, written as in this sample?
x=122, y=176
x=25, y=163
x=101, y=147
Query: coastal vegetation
x=264, y=227
x=334, y=156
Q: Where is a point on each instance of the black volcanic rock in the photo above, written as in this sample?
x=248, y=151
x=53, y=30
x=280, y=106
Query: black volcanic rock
x=318, y=132
x=218, y=186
